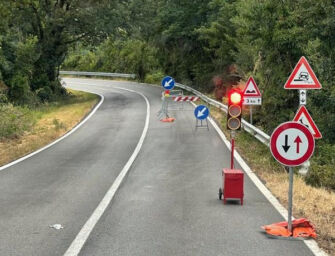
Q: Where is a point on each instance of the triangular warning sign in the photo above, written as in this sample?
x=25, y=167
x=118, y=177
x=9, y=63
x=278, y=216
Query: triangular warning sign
x=305, y=118
x=302, y=77
x=251, y=89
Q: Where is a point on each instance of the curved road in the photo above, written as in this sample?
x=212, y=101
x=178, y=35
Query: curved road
x=166, y=205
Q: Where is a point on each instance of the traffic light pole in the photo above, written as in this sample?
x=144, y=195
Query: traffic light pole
x=232, y=135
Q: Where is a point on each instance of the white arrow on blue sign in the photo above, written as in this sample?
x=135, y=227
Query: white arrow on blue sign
x=201, y=112
x=168, y=83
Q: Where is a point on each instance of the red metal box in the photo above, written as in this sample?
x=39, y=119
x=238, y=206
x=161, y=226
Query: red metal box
x=233, y=184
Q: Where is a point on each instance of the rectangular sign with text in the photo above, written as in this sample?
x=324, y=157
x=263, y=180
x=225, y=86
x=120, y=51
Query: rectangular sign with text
x=252, y=101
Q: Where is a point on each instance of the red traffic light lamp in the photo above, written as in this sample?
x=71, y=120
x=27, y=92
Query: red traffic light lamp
x=235, y=97
x=234, y=115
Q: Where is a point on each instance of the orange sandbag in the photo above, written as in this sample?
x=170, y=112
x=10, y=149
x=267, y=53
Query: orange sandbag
x=168, y=120
x=301, y=228
x=277, y=230
x=304, y=232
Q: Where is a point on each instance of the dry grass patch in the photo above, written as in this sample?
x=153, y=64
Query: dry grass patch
x=53, y=121
x=315, y=204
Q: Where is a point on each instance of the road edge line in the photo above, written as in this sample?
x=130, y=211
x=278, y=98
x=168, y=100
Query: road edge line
x=311, y=244
x=92, y=112
x=81, y=238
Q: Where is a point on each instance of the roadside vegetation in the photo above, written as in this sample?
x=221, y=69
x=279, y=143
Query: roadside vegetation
x=24, y=130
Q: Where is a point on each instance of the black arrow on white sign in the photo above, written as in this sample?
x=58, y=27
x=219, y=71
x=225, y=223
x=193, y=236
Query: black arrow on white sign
x=286, y=147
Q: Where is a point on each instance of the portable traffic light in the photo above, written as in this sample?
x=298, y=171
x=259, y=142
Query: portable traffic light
x=234, y=115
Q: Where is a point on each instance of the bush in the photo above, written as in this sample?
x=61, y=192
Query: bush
x=14, y=120
x=154, y=78
x=321, y=175
x=44, y=94
x=39, y=81
x=3, y=98
x=83, y=60
x=3, y=92
x=322, y=171
x=20, y=92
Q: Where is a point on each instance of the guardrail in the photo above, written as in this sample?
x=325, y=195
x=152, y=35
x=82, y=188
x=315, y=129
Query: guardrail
x=256, y=132
x=80, y=73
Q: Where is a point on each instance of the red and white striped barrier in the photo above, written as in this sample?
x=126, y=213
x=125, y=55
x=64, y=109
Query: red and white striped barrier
x=185, y=98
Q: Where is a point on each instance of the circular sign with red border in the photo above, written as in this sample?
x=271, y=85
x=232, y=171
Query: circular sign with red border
x=292, y=144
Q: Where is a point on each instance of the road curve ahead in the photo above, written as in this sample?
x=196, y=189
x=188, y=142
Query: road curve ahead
x=166, y=205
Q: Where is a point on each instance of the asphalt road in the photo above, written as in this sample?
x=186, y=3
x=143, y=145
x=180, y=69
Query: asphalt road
x=167, y=204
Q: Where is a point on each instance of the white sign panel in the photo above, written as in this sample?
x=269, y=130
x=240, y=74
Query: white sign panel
x=303, y=97
x=252, y=101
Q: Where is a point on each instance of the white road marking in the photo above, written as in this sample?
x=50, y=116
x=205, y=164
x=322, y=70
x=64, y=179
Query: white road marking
x=311, y=244
x=86, y=230
x=58, y=140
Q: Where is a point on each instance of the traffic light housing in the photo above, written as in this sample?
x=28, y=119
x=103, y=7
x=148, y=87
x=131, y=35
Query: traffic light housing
x=234, y=115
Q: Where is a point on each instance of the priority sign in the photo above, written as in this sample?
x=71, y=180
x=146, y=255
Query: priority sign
x=292, y=144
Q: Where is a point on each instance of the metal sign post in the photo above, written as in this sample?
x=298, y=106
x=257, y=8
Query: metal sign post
x=163, y=112
x=290, y=199
x=251, y=115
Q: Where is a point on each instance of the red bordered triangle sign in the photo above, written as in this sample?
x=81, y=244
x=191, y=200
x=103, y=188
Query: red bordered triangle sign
x=251, y=89
x=302, y=77
x=305, y=118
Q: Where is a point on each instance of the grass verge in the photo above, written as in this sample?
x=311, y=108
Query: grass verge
x=45, y=124
x=315, y=204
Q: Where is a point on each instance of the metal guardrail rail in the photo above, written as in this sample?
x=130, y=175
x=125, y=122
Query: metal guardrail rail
x=80, y=73
x=256, y=132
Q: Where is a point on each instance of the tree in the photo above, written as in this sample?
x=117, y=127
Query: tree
x=55, y=25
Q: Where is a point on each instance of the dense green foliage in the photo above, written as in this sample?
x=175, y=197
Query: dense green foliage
x=35, y=37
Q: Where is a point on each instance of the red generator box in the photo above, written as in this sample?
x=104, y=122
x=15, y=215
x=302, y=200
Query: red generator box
x=233, y=182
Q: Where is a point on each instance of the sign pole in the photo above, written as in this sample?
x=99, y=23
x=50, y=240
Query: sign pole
x=251, y=114
x=290, y=197
x=232, y=134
